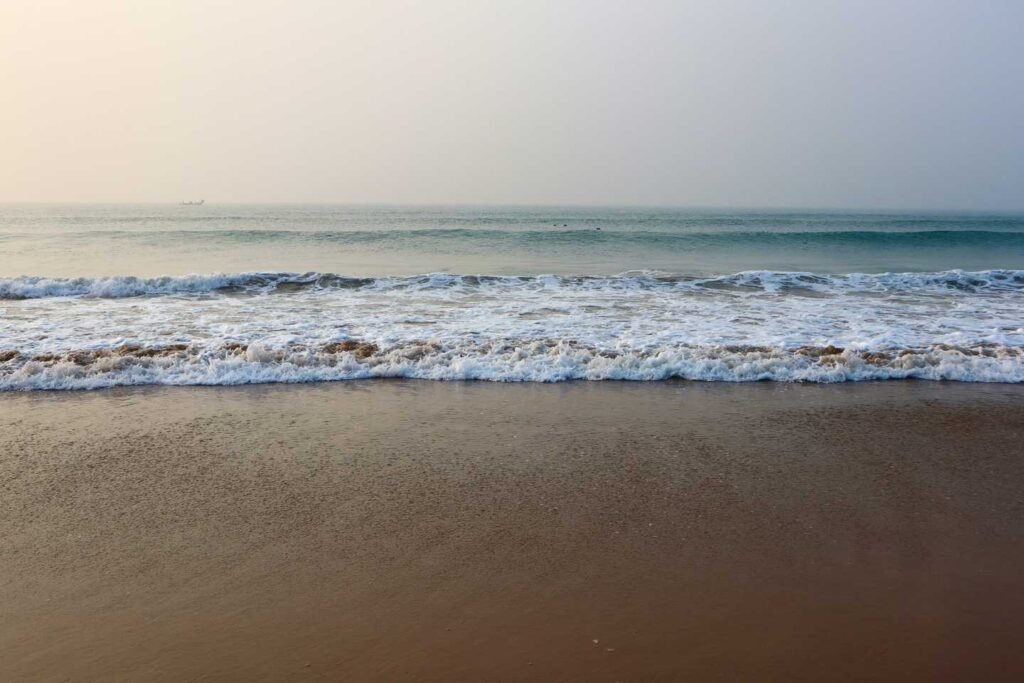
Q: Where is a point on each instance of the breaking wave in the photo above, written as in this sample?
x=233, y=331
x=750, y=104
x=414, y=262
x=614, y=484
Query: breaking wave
x=540, y=360
x=37, y=287
x=260, y=327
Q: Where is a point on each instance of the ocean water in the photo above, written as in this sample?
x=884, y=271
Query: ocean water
x=96, y=296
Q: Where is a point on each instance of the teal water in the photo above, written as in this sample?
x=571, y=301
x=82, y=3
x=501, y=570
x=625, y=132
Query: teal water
x=149, y=240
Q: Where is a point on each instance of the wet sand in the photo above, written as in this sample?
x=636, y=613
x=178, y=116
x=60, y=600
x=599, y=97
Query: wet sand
x=429, y=531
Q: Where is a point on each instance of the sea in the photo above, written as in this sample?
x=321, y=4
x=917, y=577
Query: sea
x=95, y=296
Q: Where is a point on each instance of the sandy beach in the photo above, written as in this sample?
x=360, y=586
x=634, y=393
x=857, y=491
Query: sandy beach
x=499, y=342
x=470, y=531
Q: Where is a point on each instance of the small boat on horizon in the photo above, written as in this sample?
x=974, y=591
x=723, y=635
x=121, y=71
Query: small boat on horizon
x=199, y=203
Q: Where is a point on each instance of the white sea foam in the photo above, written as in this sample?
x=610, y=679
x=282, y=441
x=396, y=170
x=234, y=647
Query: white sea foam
x=540, y=361
x=288, y=327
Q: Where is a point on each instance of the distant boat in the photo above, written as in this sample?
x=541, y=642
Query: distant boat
x=199, y=203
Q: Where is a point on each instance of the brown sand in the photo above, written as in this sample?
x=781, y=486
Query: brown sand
x=426, y=531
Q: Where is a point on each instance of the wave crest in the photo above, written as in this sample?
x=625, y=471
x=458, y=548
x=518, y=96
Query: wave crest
x=540, y=360
x=38, y=287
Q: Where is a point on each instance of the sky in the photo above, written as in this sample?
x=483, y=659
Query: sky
x=912, y=104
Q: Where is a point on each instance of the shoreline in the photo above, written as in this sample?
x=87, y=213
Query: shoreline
x=406, y=530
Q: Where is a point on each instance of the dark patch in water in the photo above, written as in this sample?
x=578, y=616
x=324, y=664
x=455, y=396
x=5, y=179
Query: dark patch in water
x=743, y=348
x=819, y=351
x=150, y=352
x=356, y=348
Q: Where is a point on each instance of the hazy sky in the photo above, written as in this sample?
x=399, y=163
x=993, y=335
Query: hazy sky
x=887, y=103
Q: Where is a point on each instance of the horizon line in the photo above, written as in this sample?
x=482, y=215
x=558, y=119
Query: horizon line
x=542, y=205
